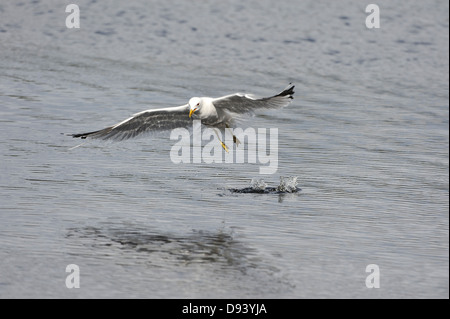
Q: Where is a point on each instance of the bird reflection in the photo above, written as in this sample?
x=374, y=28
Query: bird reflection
x=196, y=247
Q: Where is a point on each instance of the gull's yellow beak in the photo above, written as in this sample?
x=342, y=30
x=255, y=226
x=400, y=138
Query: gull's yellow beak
x=192, y=112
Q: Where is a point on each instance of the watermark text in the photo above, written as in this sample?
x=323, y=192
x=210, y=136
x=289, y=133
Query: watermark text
x=253, y=146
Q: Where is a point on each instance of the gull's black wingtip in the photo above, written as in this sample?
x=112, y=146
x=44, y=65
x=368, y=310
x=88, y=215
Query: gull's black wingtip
x=74, y=135
x=84, y=135
x=289, y=91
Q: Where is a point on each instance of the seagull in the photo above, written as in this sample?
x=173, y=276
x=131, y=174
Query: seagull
x=217, y=113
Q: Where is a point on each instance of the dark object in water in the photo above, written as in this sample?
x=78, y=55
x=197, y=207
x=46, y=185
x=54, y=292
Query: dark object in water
x=287, y=185
x=267, y=190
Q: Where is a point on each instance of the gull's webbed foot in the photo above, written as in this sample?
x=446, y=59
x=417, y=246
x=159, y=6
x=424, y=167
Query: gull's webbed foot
x=224, y=147
x=236, y=140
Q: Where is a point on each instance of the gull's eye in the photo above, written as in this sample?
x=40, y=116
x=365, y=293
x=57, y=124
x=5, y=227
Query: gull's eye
x=198, y=104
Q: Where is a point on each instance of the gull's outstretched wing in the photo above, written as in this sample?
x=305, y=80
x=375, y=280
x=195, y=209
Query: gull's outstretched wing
x=246, y=103
x=143, y=122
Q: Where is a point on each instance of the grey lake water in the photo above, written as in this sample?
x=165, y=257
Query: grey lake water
x=366, y=137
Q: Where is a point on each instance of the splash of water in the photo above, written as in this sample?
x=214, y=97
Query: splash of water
x=258, y=184
x=288, y=184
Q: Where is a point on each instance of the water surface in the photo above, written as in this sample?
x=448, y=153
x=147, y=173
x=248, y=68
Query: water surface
x=366, y=136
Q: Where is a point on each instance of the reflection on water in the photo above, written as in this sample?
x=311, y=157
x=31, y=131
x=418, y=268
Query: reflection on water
x=151, y=262
x=214, y=258
x=218, y=248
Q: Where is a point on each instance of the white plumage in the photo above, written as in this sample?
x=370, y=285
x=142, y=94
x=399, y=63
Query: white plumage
x=213, y=112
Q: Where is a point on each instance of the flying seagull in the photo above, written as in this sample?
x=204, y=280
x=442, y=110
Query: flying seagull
x=217, y=113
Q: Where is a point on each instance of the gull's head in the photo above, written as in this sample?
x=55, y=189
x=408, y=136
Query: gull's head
x=194, y=104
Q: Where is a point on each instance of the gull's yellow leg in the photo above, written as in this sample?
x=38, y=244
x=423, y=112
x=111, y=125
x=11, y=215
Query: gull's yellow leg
x=222, y=143
x=224, y=146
